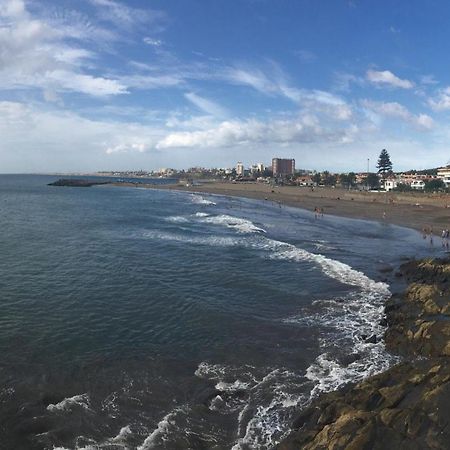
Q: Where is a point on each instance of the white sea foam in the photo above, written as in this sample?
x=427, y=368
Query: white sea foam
x=77, y=400
x=160, y=432
x=201, y=214
x=177, y=219
x=334, y=269
x=199, y=200
x=216, y=241
x=123, y=434
x=231, y=387
x=263, y=404
x=237, y=223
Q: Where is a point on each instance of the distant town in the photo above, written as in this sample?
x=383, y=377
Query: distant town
x=282, y=171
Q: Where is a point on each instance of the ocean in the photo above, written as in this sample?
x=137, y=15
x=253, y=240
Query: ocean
x=153, y=319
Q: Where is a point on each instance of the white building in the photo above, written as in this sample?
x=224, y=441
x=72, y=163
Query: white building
x=418, y=184
x=389, y=185
x=240, y=169
x=444, y=174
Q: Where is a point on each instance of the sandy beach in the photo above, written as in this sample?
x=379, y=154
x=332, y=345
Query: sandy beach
x=416, y=210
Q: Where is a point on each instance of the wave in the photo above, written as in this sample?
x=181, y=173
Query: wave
x=177, y=219
x=264, y=400
x=199, y=200
x=81, y=400
x=163, y=429
x=217, y=241
x=236, y=223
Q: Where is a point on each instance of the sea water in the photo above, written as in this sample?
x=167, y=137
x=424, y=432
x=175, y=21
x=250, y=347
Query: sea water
x=154, y=319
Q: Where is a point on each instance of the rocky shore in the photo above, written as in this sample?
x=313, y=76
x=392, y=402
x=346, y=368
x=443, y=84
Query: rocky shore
x=77, y=182
x=408, y=406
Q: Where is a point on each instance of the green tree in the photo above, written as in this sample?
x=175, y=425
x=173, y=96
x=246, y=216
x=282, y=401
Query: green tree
x=372, y=181
x=402, y=187
x=347, y=180
x=434, y=185
x=384, y=165
x=328, y=178
x=316, y=178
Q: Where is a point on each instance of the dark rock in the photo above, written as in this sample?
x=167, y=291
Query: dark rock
x=72, y=182
x=385, y=268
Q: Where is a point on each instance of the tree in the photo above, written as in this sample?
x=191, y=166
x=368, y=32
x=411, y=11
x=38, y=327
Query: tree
x=402, y=187
x=384, y=165
x=328, y=178
x=347, y=180
x=316, y=178
x=434, y=185
x=372, y=181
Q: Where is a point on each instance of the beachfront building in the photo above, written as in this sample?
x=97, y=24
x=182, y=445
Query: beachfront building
x=389, y=184
x=240, y=169
x=283, y=167
x=418, y=185
x=444, y=174
x=257, y=168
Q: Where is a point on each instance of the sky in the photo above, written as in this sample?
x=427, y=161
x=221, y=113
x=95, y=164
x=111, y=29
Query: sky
x=92, y=85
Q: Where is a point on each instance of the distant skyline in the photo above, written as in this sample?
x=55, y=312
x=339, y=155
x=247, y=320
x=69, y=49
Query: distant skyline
x=93, y=85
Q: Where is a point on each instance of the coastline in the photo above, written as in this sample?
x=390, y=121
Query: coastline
x=411, y=210
x=407, y=406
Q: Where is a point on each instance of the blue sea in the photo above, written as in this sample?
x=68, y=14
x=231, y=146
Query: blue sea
x=153, y=319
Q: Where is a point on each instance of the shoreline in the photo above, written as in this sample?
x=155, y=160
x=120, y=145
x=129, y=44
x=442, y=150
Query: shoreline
x=410, y=210
x=406, y=406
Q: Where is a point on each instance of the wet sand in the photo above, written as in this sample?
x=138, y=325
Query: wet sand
x=413, y=210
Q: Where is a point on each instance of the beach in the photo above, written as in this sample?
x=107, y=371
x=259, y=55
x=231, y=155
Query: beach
x=416, y=210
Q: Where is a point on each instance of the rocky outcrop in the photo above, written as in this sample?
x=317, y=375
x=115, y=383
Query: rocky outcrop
x=77, y=182
x=408, y=406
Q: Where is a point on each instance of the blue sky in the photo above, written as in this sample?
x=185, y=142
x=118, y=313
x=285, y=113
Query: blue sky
x=92, y=85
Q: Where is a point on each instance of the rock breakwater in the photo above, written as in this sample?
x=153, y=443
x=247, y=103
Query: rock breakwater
x=408, y=406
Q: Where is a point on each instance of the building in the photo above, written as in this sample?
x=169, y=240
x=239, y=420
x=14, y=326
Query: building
x=444, y=174
x=418, y=184
x=283, y=167
x=389, y=184
x=240, y=169
x=257, y=168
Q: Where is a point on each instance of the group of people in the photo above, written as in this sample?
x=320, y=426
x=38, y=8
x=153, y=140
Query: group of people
x=427, y=232
x=318, y=212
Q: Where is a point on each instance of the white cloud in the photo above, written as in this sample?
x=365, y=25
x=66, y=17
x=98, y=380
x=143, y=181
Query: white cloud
x=206, y=105
x=153, y=42
x=314, y=101
x=422, y=122
x=39, y=138
x=124, y=16
x=441, y=101
x=86, y=84
x=34, y=54
x=428, y=80
x=386, y=77
x=234, y=133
